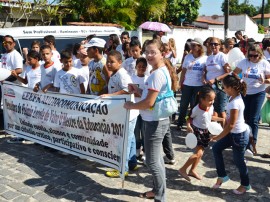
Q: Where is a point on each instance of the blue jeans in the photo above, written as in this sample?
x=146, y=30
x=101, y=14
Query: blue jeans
x=238, y=141
x=221, y=100
x=188, y=97
x=139, y=133
x=253, y=105
x=167, y=144
x=154, y=135
x=131, y=161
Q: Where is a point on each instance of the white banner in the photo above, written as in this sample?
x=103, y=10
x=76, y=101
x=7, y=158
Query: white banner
x=87, y=126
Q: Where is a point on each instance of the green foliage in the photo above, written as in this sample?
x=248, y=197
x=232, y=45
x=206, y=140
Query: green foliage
x=261, y=29
x=184, y=9
x=244, y=8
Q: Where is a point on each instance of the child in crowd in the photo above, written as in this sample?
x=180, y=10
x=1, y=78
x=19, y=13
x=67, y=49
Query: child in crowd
x=50, y=41
x=197, y=123
x=48, y=70
x=83, y=66
x=130, y=63
x=32, y=74
x=99, y=74
x=69, y=79
x=234, y=134
x=35, y=45
x=118, y=85
x=139, y=79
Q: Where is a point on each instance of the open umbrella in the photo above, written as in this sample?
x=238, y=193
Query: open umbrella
x=155, y=26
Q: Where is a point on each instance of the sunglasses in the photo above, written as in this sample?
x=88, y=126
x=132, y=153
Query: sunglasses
x=214, y=44
x=253, y=56
x=7, y=42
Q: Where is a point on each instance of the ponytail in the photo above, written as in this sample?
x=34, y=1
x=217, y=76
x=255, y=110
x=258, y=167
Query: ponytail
x=236, y=83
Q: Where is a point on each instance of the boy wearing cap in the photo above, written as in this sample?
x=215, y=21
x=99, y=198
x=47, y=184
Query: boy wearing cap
x=99, y=74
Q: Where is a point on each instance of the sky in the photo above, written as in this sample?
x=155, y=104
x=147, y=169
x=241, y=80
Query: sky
x=212, y=7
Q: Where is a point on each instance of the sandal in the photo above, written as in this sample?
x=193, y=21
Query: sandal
x=235, y=191
x=223, y=180
x=265, y=156
x=145, y=195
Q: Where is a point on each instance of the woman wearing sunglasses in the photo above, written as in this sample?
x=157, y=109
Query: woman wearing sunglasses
x=191, y=78
x=217, y=68
x=256, y=73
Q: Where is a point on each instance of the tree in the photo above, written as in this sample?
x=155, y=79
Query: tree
x=244, y=8
x=178, y=10
x=148, y=10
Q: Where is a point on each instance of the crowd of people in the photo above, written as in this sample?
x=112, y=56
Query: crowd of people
x=212, y=90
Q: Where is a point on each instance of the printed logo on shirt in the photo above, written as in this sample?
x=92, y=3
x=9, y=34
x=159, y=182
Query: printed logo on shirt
x=197, y=67
x=252, y=73
x=73, y=80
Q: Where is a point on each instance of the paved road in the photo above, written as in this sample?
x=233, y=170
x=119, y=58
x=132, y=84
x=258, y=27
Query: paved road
x=29, y=172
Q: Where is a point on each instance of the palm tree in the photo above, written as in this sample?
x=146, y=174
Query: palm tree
x=150, y=9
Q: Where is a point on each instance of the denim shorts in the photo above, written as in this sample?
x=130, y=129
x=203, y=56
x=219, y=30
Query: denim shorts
x=221, y=100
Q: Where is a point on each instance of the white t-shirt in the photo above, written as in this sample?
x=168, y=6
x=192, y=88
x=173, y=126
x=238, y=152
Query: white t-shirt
x=252, y=72
x=140, y=81
x=33, y=76
x=119, y=48
x=48, y=74
x=214, y=65
x=157, y=82
x=97, y=80
x=56, y=57
x=119, y=81
x=171, y=58
x=266, y=55
x=12, y=60
x=236, y=103
x=195, y=67
x=200, y=117
x=69, y=81
x=130, y=65
x=85, y=74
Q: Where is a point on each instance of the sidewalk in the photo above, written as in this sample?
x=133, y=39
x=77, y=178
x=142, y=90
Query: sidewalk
x=29, y=172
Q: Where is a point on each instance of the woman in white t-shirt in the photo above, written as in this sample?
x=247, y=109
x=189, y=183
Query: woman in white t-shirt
x=234, y=134
x=191, y=79
x=217, y=68
x=156, y=85
x=256, y=73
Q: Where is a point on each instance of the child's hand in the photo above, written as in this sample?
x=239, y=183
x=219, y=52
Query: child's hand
x=128, y=105
x=190, y=129
x=105, y=95
x=133, y=88
x=212, y=139
x=36, y=88
x=13, y=73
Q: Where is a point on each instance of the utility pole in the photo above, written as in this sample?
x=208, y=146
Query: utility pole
x=262, y=15
x=226, y=20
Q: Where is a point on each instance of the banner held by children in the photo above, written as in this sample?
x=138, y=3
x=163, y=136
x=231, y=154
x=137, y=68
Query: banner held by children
x=82, y=125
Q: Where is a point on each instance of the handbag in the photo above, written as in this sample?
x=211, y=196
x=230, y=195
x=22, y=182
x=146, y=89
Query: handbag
x=166, y=104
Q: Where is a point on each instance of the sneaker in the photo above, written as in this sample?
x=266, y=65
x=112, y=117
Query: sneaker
x=16, y=140
x=134, y=168
x=248, y=153
x=114, y=174
x=168, y=161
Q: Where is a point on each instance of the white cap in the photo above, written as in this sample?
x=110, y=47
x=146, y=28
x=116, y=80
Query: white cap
x=97, y=42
